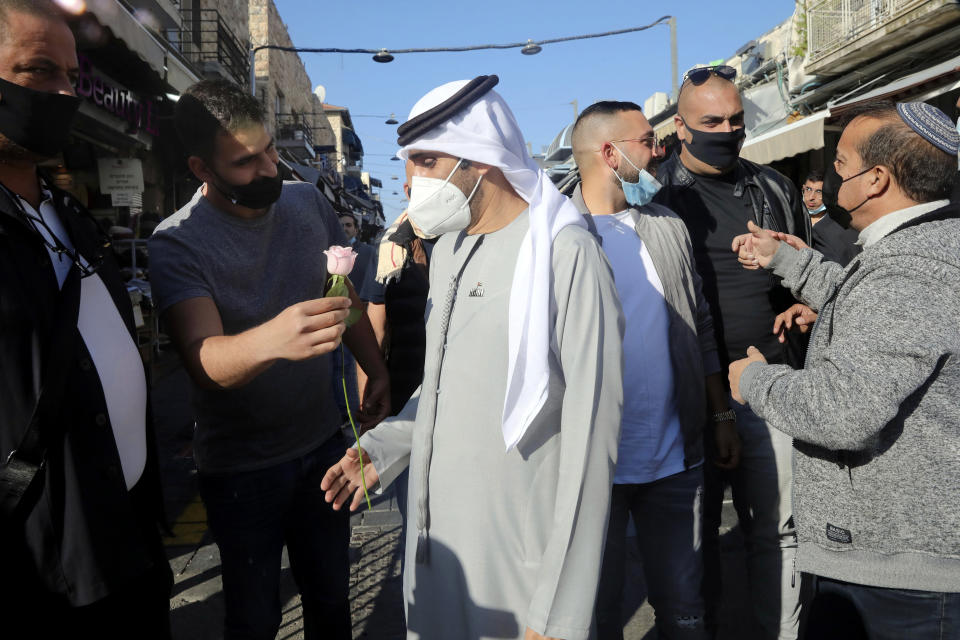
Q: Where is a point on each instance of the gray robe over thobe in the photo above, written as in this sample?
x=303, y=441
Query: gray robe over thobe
x=511, y=539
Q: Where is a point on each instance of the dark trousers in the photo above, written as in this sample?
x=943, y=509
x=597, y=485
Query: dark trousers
x=252, y=515
x=138, y=608
x=666, y=514
x=845, y=611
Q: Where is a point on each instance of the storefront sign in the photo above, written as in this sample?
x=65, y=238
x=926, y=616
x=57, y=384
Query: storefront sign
x=120, y=175
x=114, y=98
x=126, y=199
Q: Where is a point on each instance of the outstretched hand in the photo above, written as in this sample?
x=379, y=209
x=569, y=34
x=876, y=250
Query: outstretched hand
x=342, y=480
x=756, y=248
x=799, y=317
x=793, y=241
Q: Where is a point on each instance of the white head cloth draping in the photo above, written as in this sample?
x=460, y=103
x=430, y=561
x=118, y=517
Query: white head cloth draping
x=487, y=132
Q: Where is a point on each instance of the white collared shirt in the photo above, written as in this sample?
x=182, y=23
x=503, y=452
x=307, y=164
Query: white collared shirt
x=112, y=352
x=884, y=226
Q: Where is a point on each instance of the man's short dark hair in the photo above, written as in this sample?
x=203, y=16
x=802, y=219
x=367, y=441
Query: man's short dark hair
x=606, y=108
x=814, y=176
x=41, y=8
x=602, y=109
x=209, y=108
x=923, y=172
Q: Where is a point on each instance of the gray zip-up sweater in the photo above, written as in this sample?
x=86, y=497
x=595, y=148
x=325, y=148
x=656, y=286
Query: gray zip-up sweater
x=875, y=413
x=693, y=345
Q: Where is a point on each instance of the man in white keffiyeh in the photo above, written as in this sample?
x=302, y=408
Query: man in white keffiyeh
x=512, y=438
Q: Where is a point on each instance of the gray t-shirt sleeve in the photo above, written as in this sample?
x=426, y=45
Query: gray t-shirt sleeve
x=175, y=272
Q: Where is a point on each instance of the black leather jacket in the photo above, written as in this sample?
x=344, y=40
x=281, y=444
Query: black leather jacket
x=86, y=536
x=777, y=204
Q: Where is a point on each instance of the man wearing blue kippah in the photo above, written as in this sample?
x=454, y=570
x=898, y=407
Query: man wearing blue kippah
x=875, y=413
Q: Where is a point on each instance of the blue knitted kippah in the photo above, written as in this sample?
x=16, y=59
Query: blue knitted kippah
x=932, y=124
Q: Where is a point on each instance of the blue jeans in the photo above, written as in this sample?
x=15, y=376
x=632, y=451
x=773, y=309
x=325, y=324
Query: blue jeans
x=762, y=488
x=854, y=611
x=666, y=514
x=252, y=514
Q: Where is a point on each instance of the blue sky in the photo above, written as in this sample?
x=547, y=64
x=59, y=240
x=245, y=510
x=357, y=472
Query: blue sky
x=538, y=88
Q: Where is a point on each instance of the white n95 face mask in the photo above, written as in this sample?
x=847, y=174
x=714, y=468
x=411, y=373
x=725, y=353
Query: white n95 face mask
x=438, y=206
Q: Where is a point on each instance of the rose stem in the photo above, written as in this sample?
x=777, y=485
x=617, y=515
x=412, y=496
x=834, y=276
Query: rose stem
x=346, y=399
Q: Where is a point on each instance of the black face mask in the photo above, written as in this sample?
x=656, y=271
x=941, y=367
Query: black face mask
x=831, y=192
x=36, y=120
x=259, y=194
x=719, y=149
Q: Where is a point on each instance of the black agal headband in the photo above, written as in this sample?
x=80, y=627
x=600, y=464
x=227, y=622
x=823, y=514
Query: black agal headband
x=431, y=118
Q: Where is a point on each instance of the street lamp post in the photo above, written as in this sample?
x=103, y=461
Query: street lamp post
x=673, y=58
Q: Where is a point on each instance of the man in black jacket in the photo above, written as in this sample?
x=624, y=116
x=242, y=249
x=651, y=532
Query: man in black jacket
x=80, y=549
x=716, y=192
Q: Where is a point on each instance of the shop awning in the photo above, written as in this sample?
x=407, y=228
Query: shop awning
x=179, y=75
x=305, y=173
x=125, y=27
x=359, y=202
x=351, y=139
x=922, y=85
x=787, y=140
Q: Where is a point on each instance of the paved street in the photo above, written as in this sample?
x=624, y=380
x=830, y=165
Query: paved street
x=375, y=585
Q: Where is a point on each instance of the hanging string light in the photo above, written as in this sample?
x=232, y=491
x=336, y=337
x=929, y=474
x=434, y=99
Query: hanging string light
x=384, y=55
x=529, y=47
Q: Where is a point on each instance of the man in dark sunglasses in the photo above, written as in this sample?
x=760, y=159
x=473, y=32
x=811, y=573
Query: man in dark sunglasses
x=698, y=75
x=716, y=192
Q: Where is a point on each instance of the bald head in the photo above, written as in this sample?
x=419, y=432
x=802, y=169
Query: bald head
x=716, y=96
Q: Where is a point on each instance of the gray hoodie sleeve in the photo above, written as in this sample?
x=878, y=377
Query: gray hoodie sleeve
x=882, y=350
x=809, y=276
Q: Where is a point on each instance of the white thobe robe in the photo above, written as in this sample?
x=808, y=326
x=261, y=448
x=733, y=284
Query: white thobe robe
x=515, y=537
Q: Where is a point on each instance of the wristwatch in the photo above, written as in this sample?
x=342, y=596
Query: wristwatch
x=725, y=416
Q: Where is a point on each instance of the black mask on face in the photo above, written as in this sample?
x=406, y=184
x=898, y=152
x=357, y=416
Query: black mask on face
x=259, y=194
x=719, y=149
x=38, y=121
x=831, y=192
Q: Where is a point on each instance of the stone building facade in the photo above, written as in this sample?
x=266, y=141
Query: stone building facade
x=294, y=113
x=214, y=36
x=349, y=151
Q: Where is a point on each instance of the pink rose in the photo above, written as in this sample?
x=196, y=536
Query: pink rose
x=340, y=260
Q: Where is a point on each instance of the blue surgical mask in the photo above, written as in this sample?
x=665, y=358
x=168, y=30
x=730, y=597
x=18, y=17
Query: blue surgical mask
x=642, y=191
x=818, y=210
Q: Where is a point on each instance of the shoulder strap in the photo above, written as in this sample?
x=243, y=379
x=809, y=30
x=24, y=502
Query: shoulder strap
x=21, y=469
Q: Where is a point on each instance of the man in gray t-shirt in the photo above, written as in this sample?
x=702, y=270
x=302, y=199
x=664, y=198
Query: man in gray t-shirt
x=239, y=277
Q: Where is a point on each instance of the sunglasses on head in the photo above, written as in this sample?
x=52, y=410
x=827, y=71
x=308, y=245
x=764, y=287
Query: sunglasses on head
x=700, y=75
